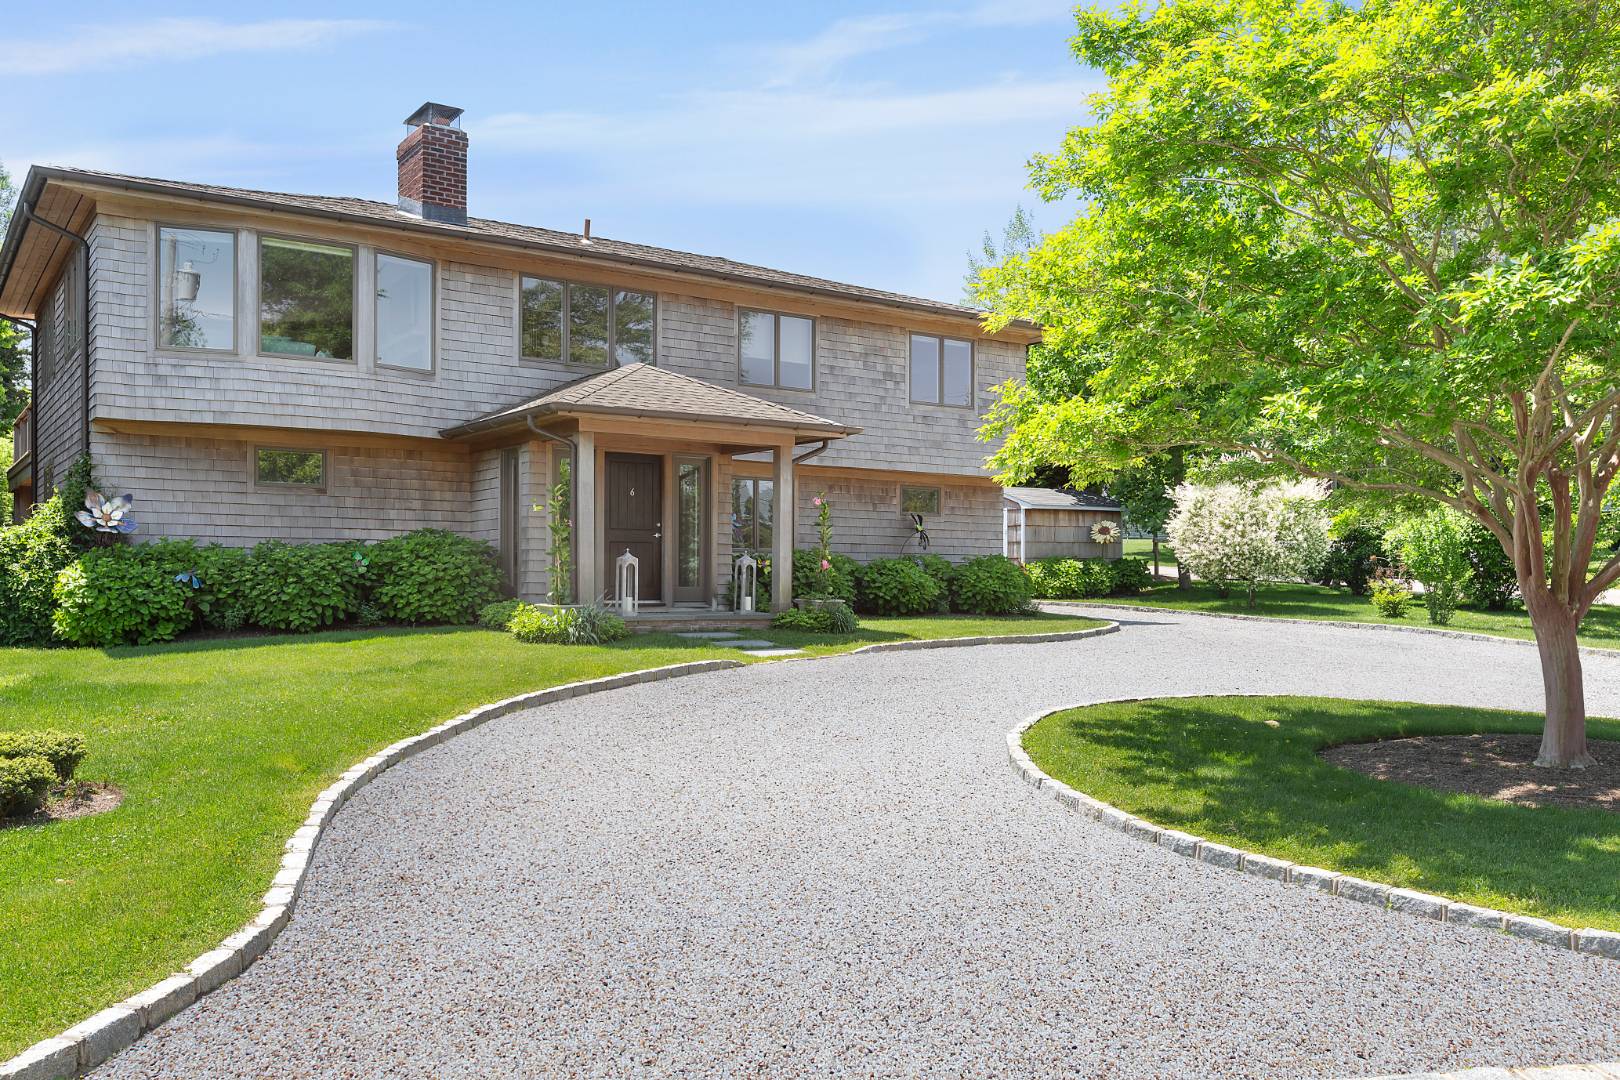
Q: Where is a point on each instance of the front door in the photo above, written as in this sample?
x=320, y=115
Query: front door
x=635, y=521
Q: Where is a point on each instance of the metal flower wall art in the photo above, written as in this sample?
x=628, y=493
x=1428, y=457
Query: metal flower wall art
x=1104, y=532
x=107, y=515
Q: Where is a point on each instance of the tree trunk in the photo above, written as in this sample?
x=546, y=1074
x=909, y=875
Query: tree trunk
x=1563, y=737
x=1155, y=556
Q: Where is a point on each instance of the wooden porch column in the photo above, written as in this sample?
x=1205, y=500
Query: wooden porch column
x=587, y=535
x=785, y=518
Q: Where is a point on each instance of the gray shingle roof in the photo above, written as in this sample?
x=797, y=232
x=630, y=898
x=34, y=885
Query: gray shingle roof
x=1057, y=499
x=368, y=211
x=644, y=390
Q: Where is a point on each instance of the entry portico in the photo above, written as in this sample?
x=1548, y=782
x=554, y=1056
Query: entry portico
x=649, y=448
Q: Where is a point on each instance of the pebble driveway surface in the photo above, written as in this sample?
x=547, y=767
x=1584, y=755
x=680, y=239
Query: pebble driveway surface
x=827, y=867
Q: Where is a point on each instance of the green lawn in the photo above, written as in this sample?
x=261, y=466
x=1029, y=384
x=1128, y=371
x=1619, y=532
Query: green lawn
x=1602, y=626
x=1213, y=767
x=1143, y=549
x=220, y=747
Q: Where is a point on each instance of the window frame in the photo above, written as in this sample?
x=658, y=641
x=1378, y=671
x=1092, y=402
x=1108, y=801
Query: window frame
x=277, y=485
x=937, y=492
x=258, y=299
x=433, y=314
x=567, y=306
x=755, y=481
x=973, y=364
x=776, y=349
x=157, y=291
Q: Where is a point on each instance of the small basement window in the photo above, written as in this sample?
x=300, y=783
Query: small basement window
x=289, y=468
x=919, y=500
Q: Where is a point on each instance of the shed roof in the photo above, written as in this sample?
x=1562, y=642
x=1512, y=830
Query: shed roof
x=645, y=391
x=1034, y=498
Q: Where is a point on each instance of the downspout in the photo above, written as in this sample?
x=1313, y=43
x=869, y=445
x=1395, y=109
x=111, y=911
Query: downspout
x=573, y=493
x=822, y=449
x=83, y=245
x=33, y=421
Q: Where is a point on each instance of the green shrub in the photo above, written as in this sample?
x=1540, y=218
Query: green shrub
x=1352, y=557
x=31, y=555
x=117, y=596
x=896, y=587
x=839, y=581
x=1391, y=598
x=433, y=576
x=805, y=620
x=990, y=585
x=543, y=624
x=1130, y=576
x=1492, y=580
x=1069, y=579
x=304, y=586
x=841, y=619
x=940, y=569
x=1441, y=606
x=495, y=616
x=24, y=783
x=64, y=750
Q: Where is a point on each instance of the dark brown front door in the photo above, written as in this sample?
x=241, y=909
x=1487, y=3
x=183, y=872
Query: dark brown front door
x=635, y=521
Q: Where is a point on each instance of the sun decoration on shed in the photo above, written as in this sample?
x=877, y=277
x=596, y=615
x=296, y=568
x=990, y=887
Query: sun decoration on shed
x=1105, y=532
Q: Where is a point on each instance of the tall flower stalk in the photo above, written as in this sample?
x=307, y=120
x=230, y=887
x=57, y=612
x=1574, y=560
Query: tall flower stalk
x=559, y=519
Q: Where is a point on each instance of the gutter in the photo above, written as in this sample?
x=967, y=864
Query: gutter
x=818, y=451
x=33, y=420
x=573, y=494
x=26, y=212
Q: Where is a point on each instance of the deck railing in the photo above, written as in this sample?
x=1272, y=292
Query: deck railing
x=21, y=435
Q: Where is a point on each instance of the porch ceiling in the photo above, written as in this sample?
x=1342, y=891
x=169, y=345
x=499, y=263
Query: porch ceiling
x=641, y=391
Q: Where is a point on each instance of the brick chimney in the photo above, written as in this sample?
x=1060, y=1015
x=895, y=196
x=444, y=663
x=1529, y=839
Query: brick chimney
x=433, y=165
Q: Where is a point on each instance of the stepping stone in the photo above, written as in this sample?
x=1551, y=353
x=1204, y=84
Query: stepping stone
x=773, y=652
x=750, y=645
x=708, y=635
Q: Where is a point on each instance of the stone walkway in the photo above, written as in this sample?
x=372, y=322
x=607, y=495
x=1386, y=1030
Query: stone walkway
x=826, y=867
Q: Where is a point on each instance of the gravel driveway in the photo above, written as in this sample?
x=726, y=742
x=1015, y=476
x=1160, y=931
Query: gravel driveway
x=828, y=867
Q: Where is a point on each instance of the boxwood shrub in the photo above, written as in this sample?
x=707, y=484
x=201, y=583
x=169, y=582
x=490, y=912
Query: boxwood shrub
x=896, y=587
x=495, y=616
x=990, y=585
x=433, y=576
x=63, y=750
x=24, y=783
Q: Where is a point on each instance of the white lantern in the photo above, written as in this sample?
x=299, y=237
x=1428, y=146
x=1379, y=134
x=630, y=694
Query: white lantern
x=744, y=582
x=627, y=581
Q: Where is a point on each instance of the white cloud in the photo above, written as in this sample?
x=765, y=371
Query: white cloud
x=126, y=44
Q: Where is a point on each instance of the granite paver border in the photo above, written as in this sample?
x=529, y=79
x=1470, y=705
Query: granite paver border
x=92, y=1041
x=1587, y=940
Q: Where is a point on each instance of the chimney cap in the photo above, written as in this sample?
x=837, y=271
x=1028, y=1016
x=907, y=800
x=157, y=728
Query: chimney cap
x=432, y=112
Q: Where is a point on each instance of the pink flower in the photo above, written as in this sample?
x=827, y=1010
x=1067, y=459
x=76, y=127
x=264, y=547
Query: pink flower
x=825, y=565
x=816, y=501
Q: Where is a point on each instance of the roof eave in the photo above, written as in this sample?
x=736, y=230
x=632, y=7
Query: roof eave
x=518, y=417
x=49, y=172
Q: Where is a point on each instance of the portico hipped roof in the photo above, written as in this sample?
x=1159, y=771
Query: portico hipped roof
x=644, y=391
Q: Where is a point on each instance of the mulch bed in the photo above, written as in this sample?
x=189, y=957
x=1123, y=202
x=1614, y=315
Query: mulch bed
x=85, y=799
x=1493, y=766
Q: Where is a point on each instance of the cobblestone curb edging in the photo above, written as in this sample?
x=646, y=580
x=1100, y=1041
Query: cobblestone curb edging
x=1436, y=631
x=1588, y=941
x=91, y=1042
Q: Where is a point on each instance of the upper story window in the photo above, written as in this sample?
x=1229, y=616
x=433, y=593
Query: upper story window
x=941, y=370
x=776, y=350
x=404, y=313
x=196, y=289
x=306, y=299
x=585, y=324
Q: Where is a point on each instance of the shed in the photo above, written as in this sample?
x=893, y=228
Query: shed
x=1046, y=523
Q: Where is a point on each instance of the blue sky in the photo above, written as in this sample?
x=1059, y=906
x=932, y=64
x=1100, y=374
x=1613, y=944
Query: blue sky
x=867, y=143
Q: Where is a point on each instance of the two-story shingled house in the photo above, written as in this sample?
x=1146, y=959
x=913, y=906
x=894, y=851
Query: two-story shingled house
x=253, y=365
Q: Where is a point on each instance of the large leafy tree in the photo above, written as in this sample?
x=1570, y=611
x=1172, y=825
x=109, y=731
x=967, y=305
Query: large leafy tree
x=1376, y=243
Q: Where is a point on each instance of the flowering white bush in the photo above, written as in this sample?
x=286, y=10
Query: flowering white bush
x=1237, y=534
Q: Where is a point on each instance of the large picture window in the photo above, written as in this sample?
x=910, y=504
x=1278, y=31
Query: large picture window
x=289, y=468
x=404, y=313
x=752, y=514
x=196, y=289
x=776, y=350
x=941, y=370
x=306, y=299
x=587, y=325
